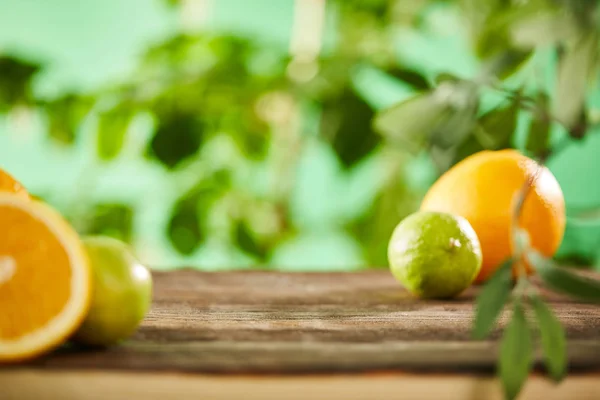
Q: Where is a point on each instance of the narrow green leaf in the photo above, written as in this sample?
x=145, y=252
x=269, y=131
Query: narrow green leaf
x=470, y=145
x=516, y=353
x=112, y=128
x=411, y=77
x=184, y=229
x=499, y=125
x=507, y=62
x=246, y=240
x=563, y=280
x=346, y=123
x=492, y=299
x=574, y=71
x=442, y=118
x=411, y=122
x=553, y=339
x=543, y=28
x=539, y=130
x=458, y=124
x=442, y=156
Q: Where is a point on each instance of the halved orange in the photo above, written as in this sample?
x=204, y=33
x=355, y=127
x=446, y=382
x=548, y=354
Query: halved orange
x=44, y=279
x=11, y=185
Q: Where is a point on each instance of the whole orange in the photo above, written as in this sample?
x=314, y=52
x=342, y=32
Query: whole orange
x=482, y=188
x=11, y=185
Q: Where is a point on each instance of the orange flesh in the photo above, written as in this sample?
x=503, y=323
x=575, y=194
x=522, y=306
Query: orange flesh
x=40, y=288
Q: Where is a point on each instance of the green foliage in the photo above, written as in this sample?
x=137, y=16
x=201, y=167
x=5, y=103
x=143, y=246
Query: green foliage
x=15, y=82
x=188, y=225
x=346, y=122
x=496, y=128
x=539, y=132
x=492, y=299
x=576, y=67
x=248, y=241
x=516, y=353
x=553, y=339
x=563, y=280
x=184, y=229
x=115, y=220
x=375, y=228
x=65, y=114
x=177, y=138
x=112, y=128
x=413, y=122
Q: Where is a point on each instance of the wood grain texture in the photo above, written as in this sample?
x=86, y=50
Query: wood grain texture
x=26, y=384
x=286, y=323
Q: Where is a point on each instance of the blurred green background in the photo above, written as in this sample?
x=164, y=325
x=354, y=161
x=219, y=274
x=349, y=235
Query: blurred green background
x=232, y=134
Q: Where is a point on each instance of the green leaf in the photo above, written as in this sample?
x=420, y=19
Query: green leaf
x=486, y=25
x=492, y=299
x=563, y=280
x=16, y=76
x=246, y=240
x=253, y=135
x=373, y=229
x=463, y=103
x=411, y=77
x=112, y=128
x=539, y=130
x=177, y=138
x=115, y=220
x=188, y=222
x=491, y=22
x=498, y=127
x=443, y=117
x=455, y=129
x=516, y=349
x=507, y=62
x=346, y=122
x=575, y=69
x=543, y=28
x=442, y=156
x=184, y=229
x=553, y=339
x=470, y=145
x=403, y=124
x=65, y=115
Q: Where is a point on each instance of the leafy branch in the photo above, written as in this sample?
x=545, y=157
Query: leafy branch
x=504, y=35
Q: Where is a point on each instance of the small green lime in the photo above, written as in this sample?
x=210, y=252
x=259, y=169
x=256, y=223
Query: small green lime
x=121, y=293
x=434, y=255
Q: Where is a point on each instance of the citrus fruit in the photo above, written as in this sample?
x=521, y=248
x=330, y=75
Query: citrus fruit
x=434, y=255
x=122, y=293
x=11, y=185
x=44, y=279
x=482, y=188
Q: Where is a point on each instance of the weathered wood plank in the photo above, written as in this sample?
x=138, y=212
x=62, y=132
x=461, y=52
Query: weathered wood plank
x=264, y=322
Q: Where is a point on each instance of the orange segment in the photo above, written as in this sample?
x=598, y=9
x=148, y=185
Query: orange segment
x=44, y=278
x=11, y=185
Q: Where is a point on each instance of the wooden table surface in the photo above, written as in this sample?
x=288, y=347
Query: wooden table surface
x=260, y=334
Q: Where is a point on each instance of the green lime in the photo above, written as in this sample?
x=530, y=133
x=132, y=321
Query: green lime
x=121, y=293
x=434, y=255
